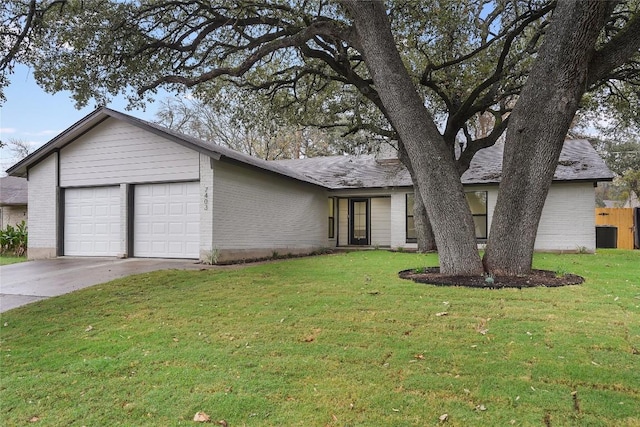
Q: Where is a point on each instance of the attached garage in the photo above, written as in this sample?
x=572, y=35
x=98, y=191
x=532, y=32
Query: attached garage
x=166, y=220
x=114, y=185
x=92, y=221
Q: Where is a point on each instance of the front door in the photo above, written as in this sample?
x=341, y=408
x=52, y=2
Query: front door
x=359, y=223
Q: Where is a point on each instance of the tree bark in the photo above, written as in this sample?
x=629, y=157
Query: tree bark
x=535, y=136
x=436, y=177
x=424, y=232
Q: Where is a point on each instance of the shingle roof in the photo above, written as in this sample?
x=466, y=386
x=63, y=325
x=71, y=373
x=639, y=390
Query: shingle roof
x=578, y=162
x=13, y=191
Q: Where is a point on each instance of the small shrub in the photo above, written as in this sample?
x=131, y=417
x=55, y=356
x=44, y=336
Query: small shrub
x=275, y=255
x=582, y=250
x=13, y=240
x=211, y=257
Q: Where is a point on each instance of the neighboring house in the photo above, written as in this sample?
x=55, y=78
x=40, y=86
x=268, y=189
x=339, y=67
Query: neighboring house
x=13, y=201
x=114, y=185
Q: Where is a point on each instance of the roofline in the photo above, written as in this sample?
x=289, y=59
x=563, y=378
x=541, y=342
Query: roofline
x=44, y=151
x=93, y=119
x=98, y=116
x=397, y=187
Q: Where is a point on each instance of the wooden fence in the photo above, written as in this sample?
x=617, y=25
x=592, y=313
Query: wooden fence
x=621, y=218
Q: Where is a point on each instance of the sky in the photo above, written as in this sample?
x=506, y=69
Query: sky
x=34, y=116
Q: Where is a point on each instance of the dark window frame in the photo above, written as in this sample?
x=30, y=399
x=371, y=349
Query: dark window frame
x=366, y=241
x=332, y=218
x=408, y=215
x=485, y=214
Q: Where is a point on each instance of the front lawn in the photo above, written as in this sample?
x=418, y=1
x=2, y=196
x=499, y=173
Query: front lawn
x=330, y=341
x=7, y=259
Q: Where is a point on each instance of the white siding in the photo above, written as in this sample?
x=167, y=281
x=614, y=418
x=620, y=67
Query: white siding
x=567, y=222
x=380, y=221
x=116, y=152
x=568, y=218
x=43, y=213
x=206, y=207
x=399, y=220
x=343, y=222
x=254, y=210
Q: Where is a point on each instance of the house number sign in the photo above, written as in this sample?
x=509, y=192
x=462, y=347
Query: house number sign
x=206, y=198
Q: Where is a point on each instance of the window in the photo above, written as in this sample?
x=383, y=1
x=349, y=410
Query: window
x=478, y=203
x=411, y=235
x=332, y=222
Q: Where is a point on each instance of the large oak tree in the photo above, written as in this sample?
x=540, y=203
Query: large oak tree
x=421, y=74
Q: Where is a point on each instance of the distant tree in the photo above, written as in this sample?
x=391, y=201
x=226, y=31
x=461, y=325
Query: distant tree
x=623, y=158
x=19, y=148
x=243, y=122
x=619, y=156
x=631, y=180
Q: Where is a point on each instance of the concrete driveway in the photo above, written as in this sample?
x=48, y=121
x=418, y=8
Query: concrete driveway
x=31, y=281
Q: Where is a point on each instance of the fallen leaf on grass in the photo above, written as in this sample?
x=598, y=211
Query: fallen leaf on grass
x=312, y=337
x=89, y=328
x=419, y=356
x=442, y=313
x=34, y=419
x=481, y=408
x=443, y=417
x=201, y=417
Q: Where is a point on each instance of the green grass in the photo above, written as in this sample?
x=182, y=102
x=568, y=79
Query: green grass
x=6, y=259
x=330, y=340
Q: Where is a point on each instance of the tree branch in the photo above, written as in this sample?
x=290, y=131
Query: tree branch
x=616, y=52
x=298, y=39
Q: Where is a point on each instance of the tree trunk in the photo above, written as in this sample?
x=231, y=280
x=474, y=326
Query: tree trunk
x=537, y=128
x=436, y=177
x=424, y=232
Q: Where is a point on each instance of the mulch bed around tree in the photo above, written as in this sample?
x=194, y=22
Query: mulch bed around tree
x=432, y=276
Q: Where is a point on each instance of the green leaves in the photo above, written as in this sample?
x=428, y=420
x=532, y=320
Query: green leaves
x=13, y=240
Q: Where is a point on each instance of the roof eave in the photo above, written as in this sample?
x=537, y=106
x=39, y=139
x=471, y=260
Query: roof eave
x=72, y=132
x=103, y=113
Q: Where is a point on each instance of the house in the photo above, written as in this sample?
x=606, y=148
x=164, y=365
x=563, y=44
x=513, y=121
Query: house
x=114, y=185
x=13, y=201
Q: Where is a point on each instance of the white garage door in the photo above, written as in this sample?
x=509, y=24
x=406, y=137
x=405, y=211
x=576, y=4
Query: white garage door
x=92, y=221
x=167, y=220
